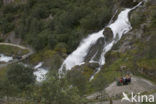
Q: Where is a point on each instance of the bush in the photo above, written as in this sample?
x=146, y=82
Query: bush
x=79, y=80
x=57, y=91
x=40, y=11
x=70, y=22
x=153, y=24
x=1, y=3
x=20, y=76
x=137, y=18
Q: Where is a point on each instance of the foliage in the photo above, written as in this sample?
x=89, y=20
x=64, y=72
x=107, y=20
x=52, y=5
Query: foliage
x=18, y=81
x=1, y=3
x=153, y=17
x=20, y=76
x=47, y=23
x=147, y=64
x=137, y=18
x=57, y=91
x=79, y=80
x=12, y=50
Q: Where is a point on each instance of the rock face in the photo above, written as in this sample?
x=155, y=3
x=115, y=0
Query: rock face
x=136, y=49
x=12, y=38
x=96, y=50
x=108, y=35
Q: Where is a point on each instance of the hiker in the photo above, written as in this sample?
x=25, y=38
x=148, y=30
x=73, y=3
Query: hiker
x=121, y=80
x=128, y=78
x=125, y=81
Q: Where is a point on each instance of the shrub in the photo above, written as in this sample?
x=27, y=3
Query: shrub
x=20, y=76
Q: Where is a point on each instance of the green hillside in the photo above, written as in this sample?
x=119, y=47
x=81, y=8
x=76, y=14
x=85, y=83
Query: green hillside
x=54, y=29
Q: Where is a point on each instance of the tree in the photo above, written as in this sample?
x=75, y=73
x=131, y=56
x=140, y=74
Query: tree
x=40, y=11
x=1, y=3
x=57, y=91
x=20, y=76
x=77, y=79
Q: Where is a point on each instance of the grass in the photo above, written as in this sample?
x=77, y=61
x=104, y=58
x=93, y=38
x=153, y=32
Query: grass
x=146, y=77
x=11, y=50
x=3, y=73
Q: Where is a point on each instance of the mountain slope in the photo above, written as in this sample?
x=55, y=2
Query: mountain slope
x=135, y=52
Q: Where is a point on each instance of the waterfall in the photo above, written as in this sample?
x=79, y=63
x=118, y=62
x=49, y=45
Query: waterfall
x=119, y=27
x=78, y=56
x=4, y=58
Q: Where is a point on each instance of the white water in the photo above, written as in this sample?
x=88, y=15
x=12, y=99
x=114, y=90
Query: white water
x=38, y=65
x=40, y=72
x=77, y=57
x=4, y=58
x=120, y=27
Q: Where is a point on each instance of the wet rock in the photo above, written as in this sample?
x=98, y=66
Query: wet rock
x=95, y=51
x=108, y=34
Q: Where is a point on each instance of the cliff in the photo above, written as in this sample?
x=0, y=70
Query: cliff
x=136, y=50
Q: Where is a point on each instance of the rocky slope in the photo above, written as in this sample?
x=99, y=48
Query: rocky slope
x=135, y=52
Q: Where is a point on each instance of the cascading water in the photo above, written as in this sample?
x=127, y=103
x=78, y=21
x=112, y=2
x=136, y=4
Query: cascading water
x=78, y=56
x=4, y=58
x=120, y=27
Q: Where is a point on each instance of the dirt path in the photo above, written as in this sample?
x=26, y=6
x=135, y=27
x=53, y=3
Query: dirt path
x=137, y=85
x=15, y=45
x=124, y=102
x=15, y=60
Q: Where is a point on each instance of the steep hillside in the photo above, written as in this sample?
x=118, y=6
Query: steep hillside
x=55, y=28
x=135, y=52
x=44, y=24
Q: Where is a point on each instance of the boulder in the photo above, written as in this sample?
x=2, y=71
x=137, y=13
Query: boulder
x=95, y=50
x=108, y=34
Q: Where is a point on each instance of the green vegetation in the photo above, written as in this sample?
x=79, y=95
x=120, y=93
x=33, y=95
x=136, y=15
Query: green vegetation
x=47, y=23
x=16, y=80
x=54, y=28
x=3, y=73
x=20, y=76
x=137, y=18
x=153, y=16
x=52, y=58
x=19, y=82
x=57, y=91
x=79, y=80
x=140, y=59
x=12, y=50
